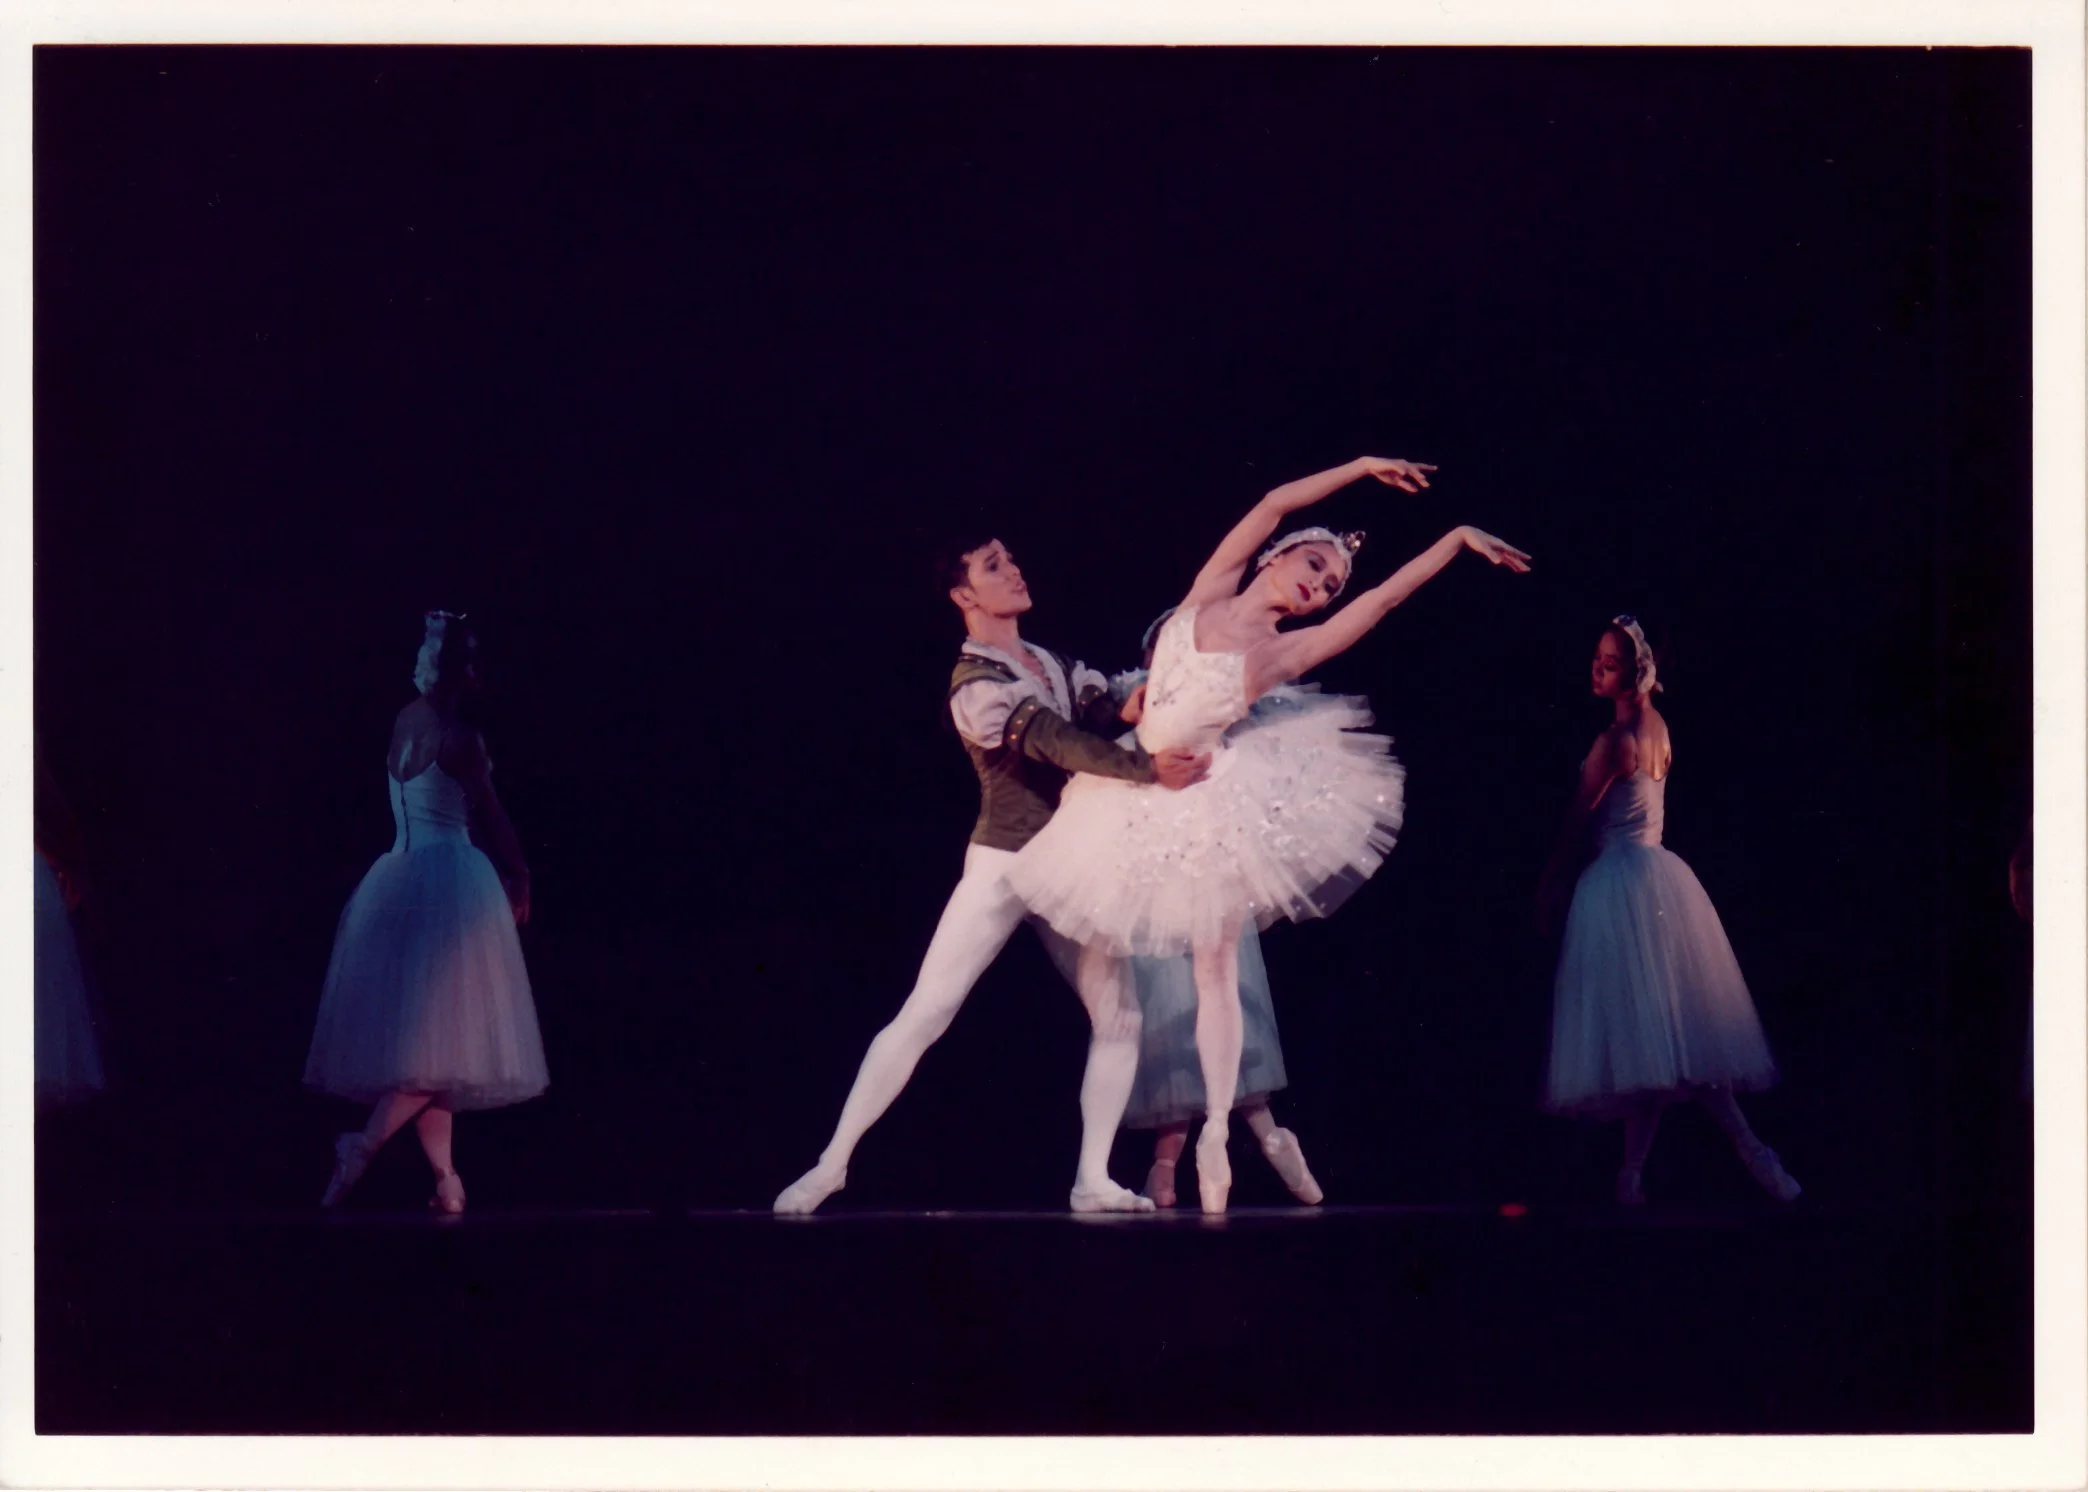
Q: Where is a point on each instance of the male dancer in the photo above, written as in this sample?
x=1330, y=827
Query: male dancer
x=1028, y=721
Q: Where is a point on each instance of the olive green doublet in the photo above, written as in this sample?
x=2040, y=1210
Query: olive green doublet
x=1020, y=779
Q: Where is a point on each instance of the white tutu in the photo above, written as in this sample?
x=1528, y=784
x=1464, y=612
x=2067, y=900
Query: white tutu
x=1648, y=998
x=68, y=1060
x=1299, y=809
x=427, y=991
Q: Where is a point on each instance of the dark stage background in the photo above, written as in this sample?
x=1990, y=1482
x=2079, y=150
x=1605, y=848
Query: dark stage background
x=672, y=366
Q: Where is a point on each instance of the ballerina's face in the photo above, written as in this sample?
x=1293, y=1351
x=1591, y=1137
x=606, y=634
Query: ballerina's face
x=1614, y=673
x=993, y=582
x=1306, y=577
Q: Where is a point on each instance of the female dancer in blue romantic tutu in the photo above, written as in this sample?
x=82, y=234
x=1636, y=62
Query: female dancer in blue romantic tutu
x=1648, y=1007
x=1299, y=807
x=427, y=1008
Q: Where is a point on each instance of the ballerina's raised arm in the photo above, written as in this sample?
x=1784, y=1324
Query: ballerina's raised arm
x=1220, y=576
x=1291, y=655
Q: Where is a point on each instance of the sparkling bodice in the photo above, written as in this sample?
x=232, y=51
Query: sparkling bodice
x=429, y=809
x=1192, y=697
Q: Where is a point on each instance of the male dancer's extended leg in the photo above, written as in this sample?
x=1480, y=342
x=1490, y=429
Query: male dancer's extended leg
x=981, y=916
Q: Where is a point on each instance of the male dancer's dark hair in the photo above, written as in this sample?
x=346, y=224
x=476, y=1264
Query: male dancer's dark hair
x=951, y=570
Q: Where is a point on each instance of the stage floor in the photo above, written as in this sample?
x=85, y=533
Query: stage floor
x=1341, y=1320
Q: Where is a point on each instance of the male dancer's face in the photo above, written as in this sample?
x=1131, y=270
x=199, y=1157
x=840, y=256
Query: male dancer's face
x=994, y=585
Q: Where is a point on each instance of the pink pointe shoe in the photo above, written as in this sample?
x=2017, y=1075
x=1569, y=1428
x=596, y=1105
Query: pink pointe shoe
x=449, y=1193
x=1160, y=1184
x=1281, y=1147
x=1213, y=1169
x=351, y=1159
x=1769, y=1174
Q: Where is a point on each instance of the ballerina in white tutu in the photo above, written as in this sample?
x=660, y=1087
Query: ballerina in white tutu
x=1648, y=1007
x=1168, y=1095
x=427, y=1009
x=1300, y=806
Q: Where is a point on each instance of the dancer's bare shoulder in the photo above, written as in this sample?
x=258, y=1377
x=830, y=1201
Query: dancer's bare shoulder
x=1656, y=750
x=1615, y=752
x=416, y=740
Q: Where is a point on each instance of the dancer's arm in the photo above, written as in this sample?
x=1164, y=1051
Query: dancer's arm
x=463, y=756
x=992, y=710
x=1220, y=576
x=1614, y=756
x=1042, y=734
x=1291, y=655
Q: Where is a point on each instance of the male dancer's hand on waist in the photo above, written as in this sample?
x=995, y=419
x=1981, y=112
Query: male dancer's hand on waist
x=1177, y=767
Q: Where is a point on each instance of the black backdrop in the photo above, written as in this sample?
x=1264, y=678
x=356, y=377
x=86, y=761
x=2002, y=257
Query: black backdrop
x=672, y=366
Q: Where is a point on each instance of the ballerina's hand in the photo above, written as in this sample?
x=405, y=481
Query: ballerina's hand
x=518, y=900
x=1498, y=551
x=1178, y=767
x=1407, y=476
x=1134, y=707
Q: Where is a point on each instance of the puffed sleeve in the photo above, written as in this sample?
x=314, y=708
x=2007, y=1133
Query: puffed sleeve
x=1084, y=679
x=981, y=708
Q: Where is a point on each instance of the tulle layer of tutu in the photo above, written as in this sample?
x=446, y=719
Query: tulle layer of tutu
x=68, y=1058
x=427, y=990
x=1169, y=1088
x=1649, y=998
x=1300, y=808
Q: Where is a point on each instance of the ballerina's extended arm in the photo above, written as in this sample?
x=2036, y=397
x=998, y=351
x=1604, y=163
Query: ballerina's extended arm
x=1614, y=756
x=1291, y=655
x=1220, y=576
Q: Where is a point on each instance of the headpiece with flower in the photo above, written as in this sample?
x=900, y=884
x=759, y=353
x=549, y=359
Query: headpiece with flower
x=1648, y=675
x=1347, y=543
x=427, y=668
